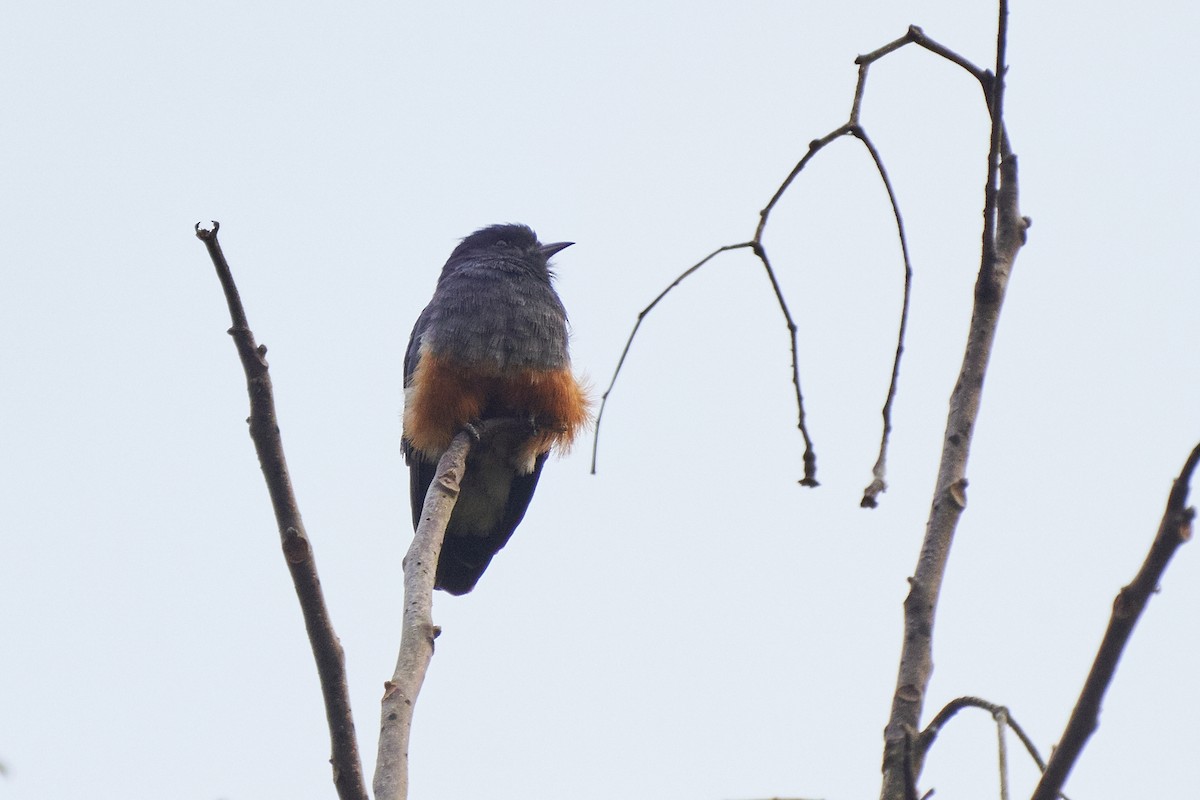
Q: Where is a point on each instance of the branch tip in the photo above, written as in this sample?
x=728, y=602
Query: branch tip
x=204, y=234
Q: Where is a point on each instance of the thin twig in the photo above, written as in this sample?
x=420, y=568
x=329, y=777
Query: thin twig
x=1001, y=717
x=418, y=631
x=814, y=147
x=910, y=766
x=958, y=704
x=1174, y=530
x=996, y=107
x=890, y=47
x=810, y=455
x=810, y=463
x=918, y=37
x=640, y=317
x=879, y=472
x=297, y=550
x=914, y=35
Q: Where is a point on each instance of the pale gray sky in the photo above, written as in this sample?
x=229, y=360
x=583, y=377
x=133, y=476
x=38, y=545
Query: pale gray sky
x=689, y=623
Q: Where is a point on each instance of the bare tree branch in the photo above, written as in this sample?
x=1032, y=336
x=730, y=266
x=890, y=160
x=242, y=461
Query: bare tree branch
x=1004, y=234
x=918, y=37
x=878, y=484
x=810, y=455
x=1174, y=530
x=1001, y=717
x=418, y=631
x=958, y=704
x=850, y=128
x=640, y=317
x=297, y=550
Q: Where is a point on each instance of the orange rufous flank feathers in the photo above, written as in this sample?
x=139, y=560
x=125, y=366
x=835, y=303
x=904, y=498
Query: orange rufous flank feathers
x=445, y=395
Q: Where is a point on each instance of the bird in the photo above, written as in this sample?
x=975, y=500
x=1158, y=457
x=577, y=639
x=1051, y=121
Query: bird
x=491, y=344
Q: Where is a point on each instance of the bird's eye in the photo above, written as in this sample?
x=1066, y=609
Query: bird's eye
x=501, y=243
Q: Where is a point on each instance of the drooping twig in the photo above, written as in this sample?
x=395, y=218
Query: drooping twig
x=640, y=317
x=927, y=737
x=297, y=550
x=852, y=127
x=1005, y=237
x=418, y=631
x=756, y=245
x=810, y=455
x=879, y=472
x=1174, y=530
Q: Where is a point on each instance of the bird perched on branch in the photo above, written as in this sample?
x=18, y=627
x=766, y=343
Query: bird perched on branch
x=491, y=344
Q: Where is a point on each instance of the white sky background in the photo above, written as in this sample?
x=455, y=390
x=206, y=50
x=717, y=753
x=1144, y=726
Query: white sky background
x=689, y=623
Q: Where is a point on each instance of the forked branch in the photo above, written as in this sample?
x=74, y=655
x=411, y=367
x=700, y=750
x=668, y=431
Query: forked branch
x=852, y=127
x=1004, y=721
x=1004, y=234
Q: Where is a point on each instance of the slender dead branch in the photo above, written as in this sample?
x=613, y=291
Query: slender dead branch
x=640, y=318
x=814, y=147
x=996, y=108
x=418, y=631
x=810, y=459
x=879, y=472
x=1001, y=717
x=1003, y=239
x=890, y=47
x=914, y=35
x=918, y=37
x=297, y=550
x=1174, y=530
x=952, y=708
x=810, y=455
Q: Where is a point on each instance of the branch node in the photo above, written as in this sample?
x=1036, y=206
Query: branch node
x=872, y=492
x=958, y=493
x=295, y=547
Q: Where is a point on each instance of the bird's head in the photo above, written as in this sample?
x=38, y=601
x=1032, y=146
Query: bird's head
x=512, y=243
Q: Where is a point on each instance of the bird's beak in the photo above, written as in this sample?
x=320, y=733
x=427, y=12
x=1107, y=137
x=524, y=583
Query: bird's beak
x=550, y=249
